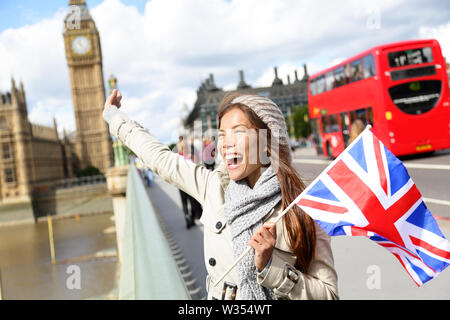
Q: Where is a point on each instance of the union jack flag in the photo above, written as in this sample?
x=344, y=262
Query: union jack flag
x=367, y=192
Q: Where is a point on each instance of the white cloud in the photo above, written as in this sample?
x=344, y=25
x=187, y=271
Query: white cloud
x=34, y=54
x=161, y=55
x=440, y=33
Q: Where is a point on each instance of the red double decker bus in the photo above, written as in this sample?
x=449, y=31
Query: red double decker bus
x=401, y=89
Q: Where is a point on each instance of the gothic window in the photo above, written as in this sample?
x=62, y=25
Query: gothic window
x=3, y=123
x=10, y=175
x=203, y=118
x=212, y=114
x=6, y=151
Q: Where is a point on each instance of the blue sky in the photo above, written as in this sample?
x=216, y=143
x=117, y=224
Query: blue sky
x=161, y=50
x=17, y=13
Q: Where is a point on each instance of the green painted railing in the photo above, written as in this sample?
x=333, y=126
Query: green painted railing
x=148, y=269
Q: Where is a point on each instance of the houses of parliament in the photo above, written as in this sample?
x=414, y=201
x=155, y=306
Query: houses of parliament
x=34, y=156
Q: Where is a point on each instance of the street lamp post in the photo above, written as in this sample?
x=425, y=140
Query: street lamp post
x=116, y=180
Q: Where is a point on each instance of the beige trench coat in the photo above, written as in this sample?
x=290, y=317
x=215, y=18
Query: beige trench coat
x=208, y=187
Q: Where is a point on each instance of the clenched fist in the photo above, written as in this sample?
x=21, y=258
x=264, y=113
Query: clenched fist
x=263, y=241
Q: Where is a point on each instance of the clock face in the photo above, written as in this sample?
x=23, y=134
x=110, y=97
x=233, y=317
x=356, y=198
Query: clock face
x=81, y=45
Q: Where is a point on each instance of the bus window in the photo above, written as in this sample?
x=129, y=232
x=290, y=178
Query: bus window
x=329, y=80
x=320, y=84
x=330, y=123
x=339, y=79
x=370, y=113
x=410, y=57
x=317, y=137
x=347, y=73
x=416, y=97
x=361, y=114
x=368, y=66
x=345, y=123
x=356, y=70
x=312, y=87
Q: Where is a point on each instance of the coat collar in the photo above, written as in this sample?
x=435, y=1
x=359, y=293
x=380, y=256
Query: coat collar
x=223, y=175
x=282, y=235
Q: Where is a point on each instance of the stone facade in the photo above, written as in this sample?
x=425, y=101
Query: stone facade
x=32, y=155
x=286, y=96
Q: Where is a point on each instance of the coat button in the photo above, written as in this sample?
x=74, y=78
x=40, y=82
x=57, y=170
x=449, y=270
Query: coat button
x=218, y=225
x=212, y=262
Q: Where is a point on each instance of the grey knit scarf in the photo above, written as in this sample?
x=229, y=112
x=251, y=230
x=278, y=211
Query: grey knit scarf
x=245, y=209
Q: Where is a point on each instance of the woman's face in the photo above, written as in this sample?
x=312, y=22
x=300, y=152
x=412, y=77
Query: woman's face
x=238, y=145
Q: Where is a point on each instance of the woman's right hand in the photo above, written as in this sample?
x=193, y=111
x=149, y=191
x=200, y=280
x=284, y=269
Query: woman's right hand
x=114, y=99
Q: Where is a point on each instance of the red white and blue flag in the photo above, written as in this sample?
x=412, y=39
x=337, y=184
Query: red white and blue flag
x=367, y=192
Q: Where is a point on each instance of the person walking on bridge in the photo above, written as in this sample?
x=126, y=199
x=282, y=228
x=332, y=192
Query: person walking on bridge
x=292, y=259
x=192, y=213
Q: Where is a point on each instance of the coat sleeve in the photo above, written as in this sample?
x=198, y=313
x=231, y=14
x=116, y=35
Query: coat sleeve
x=320, y=283
x=173, y=168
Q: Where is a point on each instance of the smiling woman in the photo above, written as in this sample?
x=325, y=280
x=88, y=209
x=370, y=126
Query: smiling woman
x=238, y=144
x=241, y=199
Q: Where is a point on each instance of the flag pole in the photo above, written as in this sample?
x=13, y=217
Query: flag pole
x=289, y=207
x=243, y=254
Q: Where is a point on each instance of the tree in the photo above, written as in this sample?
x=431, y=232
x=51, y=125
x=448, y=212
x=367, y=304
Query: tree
x=89, y=171
x=300, y=119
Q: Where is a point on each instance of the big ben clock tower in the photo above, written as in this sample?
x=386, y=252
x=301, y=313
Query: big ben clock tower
x=93, y=145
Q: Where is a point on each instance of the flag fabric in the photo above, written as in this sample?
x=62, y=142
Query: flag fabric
x=367, y=192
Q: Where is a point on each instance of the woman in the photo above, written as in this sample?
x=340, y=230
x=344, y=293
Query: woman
x=240, y=198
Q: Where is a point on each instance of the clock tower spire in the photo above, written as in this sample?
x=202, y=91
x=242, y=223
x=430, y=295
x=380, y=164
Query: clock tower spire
x=93, y=145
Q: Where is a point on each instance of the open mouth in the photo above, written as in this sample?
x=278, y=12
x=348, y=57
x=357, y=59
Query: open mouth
x=233, y=160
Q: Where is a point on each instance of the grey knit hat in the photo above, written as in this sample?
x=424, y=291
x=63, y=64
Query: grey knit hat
x=269, y=113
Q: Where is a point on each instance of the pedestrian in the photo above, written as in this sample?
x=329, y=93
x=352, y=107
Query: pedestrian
x=355, y=129
x=185, y=198
x=196, y=207
x=292, y=259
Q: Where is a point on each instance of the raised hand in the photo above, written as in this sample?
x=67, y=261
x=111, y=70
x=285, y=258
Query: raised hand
x=114, y=99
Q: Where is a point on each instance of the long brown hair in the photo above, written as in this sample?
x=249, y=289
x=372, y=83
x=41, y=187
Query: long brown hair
x=300, y=227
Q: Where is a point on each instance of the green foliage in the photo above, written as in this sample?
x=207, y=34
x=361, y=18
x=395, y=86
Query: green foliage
x=300, y=117
x=172, y=145
x=130, y=152
x=89, y=171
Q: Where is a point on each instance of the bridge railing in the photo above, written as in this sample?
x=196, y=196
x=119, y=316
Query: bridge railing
x=148, y=268
x=79, y=181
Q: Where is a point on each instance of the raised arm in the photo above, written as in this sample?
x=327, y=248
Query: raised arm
x=173, y=168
